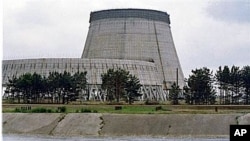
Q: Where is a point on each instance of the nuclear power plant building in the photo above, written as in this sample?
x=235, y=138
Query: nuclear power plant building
x=137, y=40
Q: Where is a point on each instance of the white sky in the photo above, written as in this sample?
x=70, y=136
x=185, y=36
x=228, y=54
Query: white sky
x=208, y=33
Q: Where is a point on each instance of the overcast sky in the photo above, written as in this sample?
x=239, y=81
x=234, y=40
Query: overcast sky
x=208, y=33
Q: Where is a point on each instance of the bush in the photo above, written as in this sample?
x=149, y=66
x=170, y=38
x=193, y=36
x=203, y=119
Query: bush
x=158, y=108
x=49, y=111
x=85, y=111
x=61, y=109
x=25, y=109
x=39, y=110
x=118, y=107
x=17, y=110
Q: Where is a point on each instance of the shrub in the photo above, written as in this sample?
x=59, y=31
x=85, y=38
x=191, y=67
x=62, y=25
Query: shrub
x=17, y=110
x=61, y=109
x=158, y=108
x=39, y=110
x=49, y=111
x=23, y=109
x=85, y=111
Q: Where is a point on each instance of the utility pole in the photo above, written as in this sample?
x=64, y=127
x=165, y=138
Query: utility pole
x=177, y=76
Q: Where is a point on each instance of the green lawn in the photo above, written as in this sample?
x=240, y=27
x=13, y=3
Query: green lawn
x=127, y=109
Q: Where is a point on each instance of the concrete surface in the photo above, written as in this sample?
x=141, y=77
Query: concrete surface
x=79, y=125
x=95, y=124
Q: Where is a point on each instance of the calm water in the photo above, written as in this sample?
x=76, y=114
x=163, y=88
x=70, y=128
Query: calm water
x=50, y=138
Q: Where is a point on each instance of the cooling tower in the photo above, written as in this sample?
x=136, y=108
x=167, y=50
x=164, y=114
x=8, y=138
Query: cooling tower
x=134, y=34
x=137, y=40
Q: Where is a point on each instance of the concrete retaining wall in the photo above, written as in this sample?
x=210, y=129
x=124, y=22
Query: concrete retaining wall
x=94, y=124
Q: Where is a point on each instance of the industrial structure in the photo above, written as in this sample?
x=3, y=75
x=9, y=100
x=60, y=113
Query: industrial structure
x=137, y=40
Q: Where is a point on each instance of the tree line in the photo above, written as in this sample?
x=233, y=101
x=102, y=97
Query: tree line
x=65, y=87
x=56, y=88
x=226, y=86
x=234, y=84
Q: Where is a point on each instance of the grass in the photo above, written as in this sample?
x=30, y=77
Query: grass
x=126, y=109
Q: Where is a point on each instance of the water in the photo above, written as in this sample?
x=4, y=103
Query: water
x=52, y=138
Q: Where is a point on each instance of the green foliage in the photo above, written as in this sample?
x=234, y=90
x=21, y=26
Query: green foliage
x=245, y=78
x=85, y=111
x=62, y=109
x=39, y=110
x=174, y=94
x=132, y=87
x=34, y=110
x=201, y=88
x=17, y=110
x=119, y=83
x=234, y=84
x=61, y=87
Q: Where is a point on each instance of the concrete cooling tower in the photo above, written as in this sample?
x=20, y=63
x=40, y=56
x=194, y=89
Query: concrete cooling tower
x=137, y=40
x=134, y=34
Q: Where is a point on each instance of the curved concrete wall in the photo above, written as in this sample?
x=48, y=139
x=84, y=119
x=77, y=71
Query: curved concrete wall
x=216, y=125
x=145, y=71
x=130, y=13
x=134, y=38
x=137, y=40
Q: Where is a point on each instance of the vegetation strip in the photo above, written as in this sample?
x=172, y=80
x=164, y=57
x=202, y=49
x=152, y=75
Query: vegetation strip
x=119, y=85
x=127, y=109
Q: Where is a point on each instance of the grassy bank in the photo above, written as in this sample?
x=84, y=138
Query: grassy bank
x=125, y=109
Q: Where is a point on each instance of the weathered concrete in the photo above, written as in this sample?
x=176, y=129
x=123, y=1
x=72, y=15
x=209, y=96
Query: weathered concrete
x=52, y=124
x=79, y=125
x=168, y=125
x=38, y=123
x=245, y=119
x=94, y=124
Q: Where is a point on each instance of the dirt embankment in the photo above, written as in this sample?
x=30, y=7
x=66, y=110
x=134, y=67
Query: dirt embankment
x=95, y=124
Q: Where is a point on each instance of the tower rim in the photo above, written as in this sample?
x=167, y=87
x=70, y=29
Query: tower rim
x=148, y=14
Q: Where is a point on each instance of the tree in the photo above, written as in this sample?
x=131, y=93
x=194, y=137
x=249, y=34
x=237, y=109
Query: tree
x=79, y=83
x=174, y=93
x=114, y=81
x=35, y=88
x=132, y=87
x=108, y=84
x=65, y=85
x=53, y=86
x=235, y=84
x=223, y=77
x=119, y=83
x=245, y=73
x=201, y=88
x=188, y=95
x=12, y=89
x=24, y=83
x=230, y=84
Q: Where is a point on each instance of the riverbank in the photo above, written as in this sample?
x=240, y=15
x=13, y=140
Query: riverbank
x=106, y=125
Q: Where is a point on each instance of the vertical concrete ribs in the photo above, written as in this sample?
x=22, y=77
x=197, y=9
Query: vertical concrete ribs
x=137, y=40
